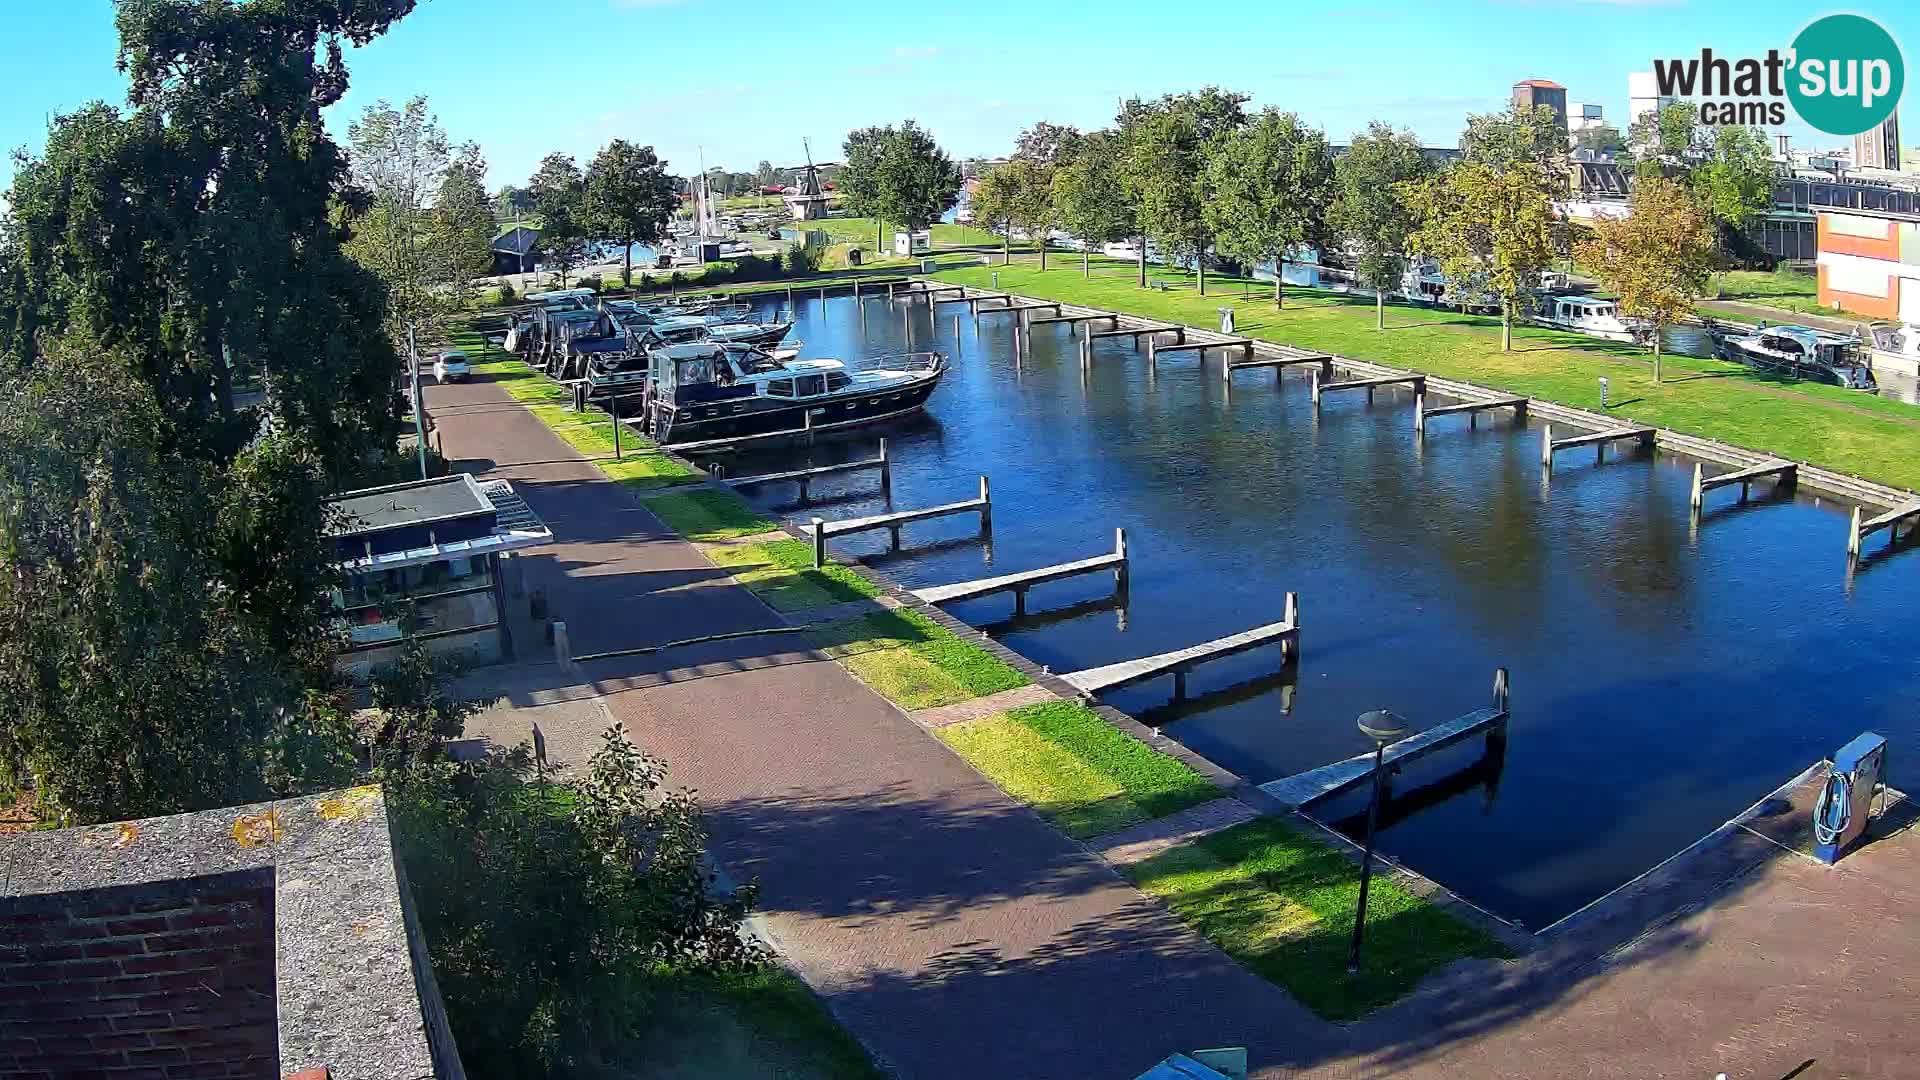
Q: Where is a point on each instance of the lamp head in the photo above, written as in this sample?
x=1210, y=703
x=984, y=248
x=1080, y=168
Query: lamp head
x=1382, y=726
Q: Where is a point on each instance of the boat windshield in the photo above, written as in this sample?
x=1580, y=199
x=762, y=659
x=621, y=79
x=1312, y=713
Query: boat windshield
x=758, y=363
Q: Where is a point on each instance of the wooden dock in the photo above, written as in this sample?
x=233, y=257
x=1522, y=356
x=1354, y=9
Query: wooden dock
x=1019, y=583
x=891, y=522
x=1245, y=345
x=1135, y=332
x=1285, y=633
x=1473, y=409
x=1302, y=789
x=1858, y=530
x=1279, y=364
x=1550, y=446
x=1111, y=318
x=1786, y=471
x=805, y=477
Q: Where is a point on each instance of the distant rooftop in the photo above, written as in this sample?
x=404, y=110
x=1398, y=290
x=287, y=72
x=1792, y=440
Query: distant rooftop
x=1542, y=84
x=426, y=521
x=252, y=941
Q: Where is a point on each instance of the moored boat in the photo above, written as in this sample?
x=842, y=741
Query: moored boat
x=705, y=390
x=1801, y=352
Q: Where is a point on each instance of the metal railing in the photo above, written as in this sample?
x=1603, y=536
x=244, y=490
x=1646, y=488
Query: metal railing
x=904, y=361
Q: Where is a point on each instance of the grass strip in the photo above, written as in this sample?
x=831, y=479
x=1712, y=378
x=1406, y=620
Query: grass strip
x=708, y=515
x=782, y=573
x=1840, y=429
x=760, y=1022
x=1086, y=776
x=1282, y=903
x=913, y=661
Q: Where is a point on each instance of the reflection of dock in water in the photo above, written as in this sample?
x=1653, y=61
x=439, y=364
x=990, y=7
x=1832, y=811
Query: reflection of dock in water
x=1285, y=680
x=1484, y=773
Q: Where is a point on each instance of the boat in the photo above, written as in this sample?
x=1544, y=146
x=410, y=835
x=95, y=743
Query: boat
x=705, y=390
x=1589, y=315
x=1801, y=352
x=728, y=331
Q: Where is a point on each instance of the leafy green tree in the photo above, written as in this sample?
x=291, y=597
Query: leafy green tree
x=765, y=175
x=560, y=197
x=1489, y=228
x=1164, y=170
x=165, y=616
x=1370, y=210
x=1270, y=184
x=995, y=199
x=1088, y=194
x=463, y=225
x=1658, y=259
x=403, y=160
x=899, y=175
x=1523, y=137
x=1734, y=182
x=1042, y=151
x=629, y=198
x=859, y=179
x=1666, y=136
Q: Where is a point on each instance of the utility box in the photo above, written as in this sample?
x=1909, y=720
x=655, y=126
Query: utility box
x=908, y=244
x=853, y=256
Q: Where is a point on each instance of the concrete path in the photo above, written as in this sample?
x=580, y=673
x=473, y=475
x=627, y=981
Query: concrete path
x=957, y=935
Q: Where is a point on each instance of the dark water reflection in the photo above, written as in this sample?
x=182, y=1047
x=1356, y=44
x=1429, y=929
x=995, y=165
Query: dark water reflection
x=1662, y=682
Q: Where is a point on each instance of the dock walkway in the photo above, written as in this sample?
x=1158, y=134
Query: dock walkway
x=1285, y=633
x=1019, y=583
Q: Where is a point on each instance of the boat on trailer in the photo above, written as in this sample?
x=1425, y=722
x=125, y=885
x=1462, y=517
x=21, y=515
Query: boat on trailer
x=705, y=390
x=1801, y=352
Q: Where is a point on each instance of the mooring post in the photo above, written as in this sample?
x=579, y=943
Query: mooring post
x=1180, y=684
x=1122, y=574
x=1153, y=355
x=807, y=425
x=1546, y=447
x=1419, y=406
x=986, y=506
x=1853, y=535
x=856, y=288
x=806, y=489
x=956, y=335
x=1314, y=385
x=886, y=470
x=1694, y=501
x=1290, y=614
x=1497, y=735
x=819, y=543
x=1019, y=601
x=562, y=650
x=893, y=536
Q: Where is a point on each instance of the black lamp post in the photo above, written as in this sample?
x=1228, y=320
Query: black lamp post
x=1382, y=727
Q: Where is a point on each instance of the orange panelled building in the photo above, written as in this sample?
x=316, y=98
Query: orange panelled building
x=1869, y=263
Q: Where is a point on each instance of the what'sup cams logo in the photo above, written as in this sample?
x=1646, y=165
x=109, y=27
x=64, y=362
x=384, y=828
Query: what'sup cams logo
x=1843, y=75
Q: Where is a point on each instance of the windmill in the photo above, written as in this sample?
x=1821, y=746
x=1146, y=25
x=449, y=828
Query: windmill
x=805, y=200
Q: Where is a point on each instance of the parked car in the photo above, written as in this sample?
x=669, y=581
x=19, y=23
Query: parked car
x=451, y=367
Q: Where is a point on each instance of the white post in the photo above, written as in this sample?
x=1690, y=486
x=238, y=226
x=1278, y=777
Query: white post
x=1122, y=575
x=1699, y=496
x=1314, y=384
x=986, y=506
x=1546, y=446
x=1290, y=614
x=886, y=470
x=1853, y=535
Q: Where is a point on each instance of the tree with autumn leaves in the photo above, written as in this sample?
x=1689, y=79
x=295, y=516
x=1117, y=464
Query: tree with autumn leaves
x=1656, y=260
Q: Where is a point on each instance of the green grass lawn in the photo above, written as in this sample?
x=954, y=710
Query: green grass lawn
x=706, y=515
x=1282, y=903
x=763, y=1022
x=913, y=661
x=782, y=573
x=1086, y=776
x=1786, y=289
x=1871, y=436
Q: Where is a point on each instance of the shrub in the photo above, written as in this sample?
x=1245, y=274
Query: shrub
x=754, y=268
x=505, y=294
x=676, y=279
x=717, y=272
x=802, y=259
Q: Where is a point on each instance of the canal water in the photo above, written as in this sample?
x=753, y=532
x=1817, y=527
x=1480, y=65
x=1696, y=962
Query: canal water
x=1663, y=681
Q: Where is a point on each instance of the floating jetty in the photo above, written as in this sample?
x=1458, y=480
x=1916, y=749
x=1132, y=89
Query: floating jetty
x=1018, y=584
x=1302, y=789
x=823, y=529
x=1550, y=446
x=1859, y=530
x=1785, y=472
x=1285, y=633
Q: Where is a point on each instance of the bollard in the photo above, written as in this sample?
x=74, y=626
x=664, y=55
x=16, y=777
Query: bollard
x=986, y=507
x=1290, y=614
x=1314, y=385
x=1546, y=447
x=819, y=543
x=886, y=471
x=562, y=650
x=1420, y=406
x=1695, y=500
x=1122, y=574
x=1853, y=536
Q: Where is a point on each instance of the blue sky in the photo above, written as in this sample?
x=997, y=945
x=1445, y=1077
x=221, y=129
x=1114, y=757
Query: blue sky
x=747, y=79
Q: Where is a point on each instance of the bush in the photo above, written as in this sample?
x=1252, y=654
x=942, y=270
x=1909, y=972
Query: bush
x=589, y=281
x=802, y=260
x=755, y=268
x=505, y=294
x=676, y=279
x=716, y=272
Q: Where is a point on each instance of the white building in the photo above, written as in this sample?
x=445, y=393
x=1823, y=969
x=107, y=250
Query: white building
x=1643, y=96
x=1583, y=115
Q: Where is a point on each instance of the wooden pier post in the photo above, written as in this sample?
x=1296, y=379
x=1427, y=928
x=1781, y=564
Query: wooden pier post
x=1853, y=535
x=1698, y=498
x=807, y=425
x=1313, y=378
x=886, y=471
x=1153, y=357
x=1290, y=648
x=1420, y=407
x=819, y=543
x=1546, y=447
x=1122, y=574
x=986, y=508
x=856, y=288
x=956, y=335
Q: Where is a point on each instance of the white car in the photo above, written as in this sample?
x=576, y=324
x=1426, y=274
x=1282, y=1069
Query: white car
x=451, y=367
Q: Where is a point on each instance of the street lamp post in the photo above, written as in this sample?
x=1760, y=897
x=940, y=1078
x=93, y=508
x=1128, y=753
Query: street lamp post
x=1382, y=727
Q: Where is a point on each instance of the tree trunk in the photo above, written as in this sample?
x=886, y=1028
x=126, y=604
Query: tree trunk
x=1200, y=268
x=1279, y=279
x=1043, y=251
x=1143, y=261
x=1506, y=325
x=1656, y=352
x=879, y=230
x=1084, y=257
x=1379, y=308
x=626, y=275
x=1006, y=246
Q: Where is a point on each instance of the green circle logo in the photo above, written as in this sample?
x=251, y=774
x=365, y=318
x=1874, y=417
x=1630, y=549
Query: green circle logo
x=1847, y=74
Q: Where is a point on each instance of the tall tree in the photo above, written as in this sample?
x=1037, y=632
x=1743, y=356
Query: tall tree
x=560, y=197
x=629, y=198
x=995, y=196
x=765, y=174
x=899, y=175
x=859, y=179
x=1087, y=192
x=1666, y=136
x=1269, y=186
x=1488, y=228
x=1165, y=166
x=1370, y=210
x=1601, y=139
x=1734, y=182
x=1656, y=260
x=1523, y=137
x=400, y=158
x=1041, y=152
x=463, y=223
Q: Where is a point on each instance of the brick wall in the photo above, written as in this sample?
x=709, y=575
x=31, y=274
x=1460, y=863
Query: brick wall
x=162, y=981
